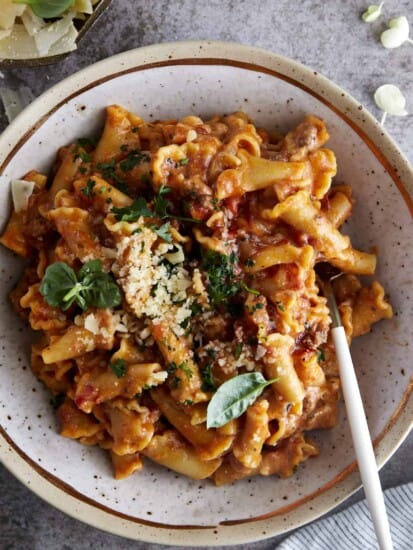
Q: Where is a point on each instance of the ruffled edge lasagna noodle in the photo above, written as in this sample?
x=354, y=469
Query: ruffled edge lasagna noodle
x=207, y=235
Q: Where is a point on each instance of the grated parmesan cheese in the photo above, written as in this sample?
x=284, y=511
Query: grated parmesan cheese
x=153, y=289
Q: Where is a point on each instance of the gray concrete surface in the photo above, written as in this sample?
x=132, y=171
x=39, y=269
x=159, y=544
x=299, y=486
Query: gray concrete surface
x=326, y=35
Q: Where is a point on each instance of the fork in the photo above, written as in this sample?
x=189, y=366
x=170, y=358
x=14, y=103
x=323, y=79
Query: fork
x=357, y=420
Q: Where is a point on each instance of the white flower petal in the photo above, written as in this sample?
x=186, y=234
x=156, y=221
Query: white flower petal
x=392, y=38
x=396, y=34
x=372, y=13
x=400, y=23
x=390, y=99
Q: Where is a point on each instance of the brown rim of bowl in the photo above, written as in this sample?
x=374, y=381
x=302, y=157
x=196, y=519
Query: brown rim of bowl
x=84, y=28
x=352, y=482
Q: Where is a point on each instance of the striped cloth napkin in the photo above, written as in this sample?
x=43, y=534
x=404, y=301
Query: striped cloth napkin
x=352, y=529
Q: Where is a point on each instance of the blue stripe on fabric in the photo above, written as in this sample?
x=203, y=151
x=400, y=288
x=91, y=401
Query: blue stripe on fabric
x=352, y=529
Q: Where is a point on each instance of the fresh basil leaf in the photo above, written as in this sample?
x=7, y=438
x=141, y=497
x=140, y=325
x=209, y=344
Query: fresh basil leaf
x=234, y=397
x=91, y=287
x=89, y=268
x=58, y=281
x=103, y=292
x=47, y=8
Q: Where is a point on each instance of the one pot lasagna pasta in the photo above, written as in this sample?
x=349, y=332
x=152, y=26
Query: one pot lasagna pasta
x=167, y=258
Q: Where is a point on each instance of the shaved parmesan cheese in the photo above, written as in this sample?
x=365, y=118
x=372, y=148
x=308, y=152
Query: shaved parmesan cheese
x=31, y=37
x=4, y=33
x=176, y=257
x=18, y=45
x=9, y=12
x=32, y=23
x=83, y=6
x=66, y=44
x=52, y=33
x=21, y=191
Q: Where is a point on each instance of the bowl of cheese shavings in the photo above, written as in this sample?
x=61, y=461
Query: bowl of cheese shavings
x=41, y=32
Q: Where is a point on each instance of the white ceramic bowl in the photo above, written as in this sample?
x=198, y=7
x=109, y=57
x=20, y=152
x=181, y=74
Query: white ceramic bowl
x=172, y=80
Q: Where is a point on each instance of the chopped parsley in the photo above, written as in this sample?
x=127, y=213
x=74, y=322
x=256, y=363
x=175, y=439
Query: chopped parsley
x=184, y=161
x=108, y=170
x=238, y=349
x=133, y=159
x=320, y=355
x=118, y=367
x=162, y=231
x=87, y=191
x=57, y=400
x=221, y=281
x=256, y=306
x=86, y=142
x=139, y=208
x=211, y=352
x=173, y=367
x=249, y=263
x=85, y=157
x=248, y=289
x=133, y=212
x=208, y=382
x=280, y=306
x=195, y=308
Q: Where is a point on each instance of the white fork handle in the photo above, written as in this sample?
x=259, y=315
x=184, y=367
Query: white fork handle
x=362, y=440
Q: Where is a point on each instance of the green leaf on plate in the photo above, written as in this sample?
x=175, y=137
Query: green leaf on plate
x=234, y=397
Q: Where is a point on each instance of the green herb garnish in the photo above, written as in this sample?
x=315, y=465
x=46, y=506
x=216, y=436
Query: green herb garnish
x=139, y=208
x=238, y=349
x=108, y=170
x=118, y=367
x=208, y=382
x=221, y=282
x=133, y=159
x=133, y=212
x=234, y=397
x=85, y=157
x=162, y=231
x=91, y=286
x=88, y=189
x=248, y=289
x=86, y=142
x=320, y=355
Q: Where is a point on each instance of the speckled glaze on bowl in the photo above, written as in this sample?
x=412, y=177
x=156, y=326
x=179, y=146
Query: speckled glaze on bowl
x=172, y=80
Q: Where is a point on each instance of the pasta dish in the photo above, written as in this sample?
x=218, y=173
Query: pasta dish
x=172, y=278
